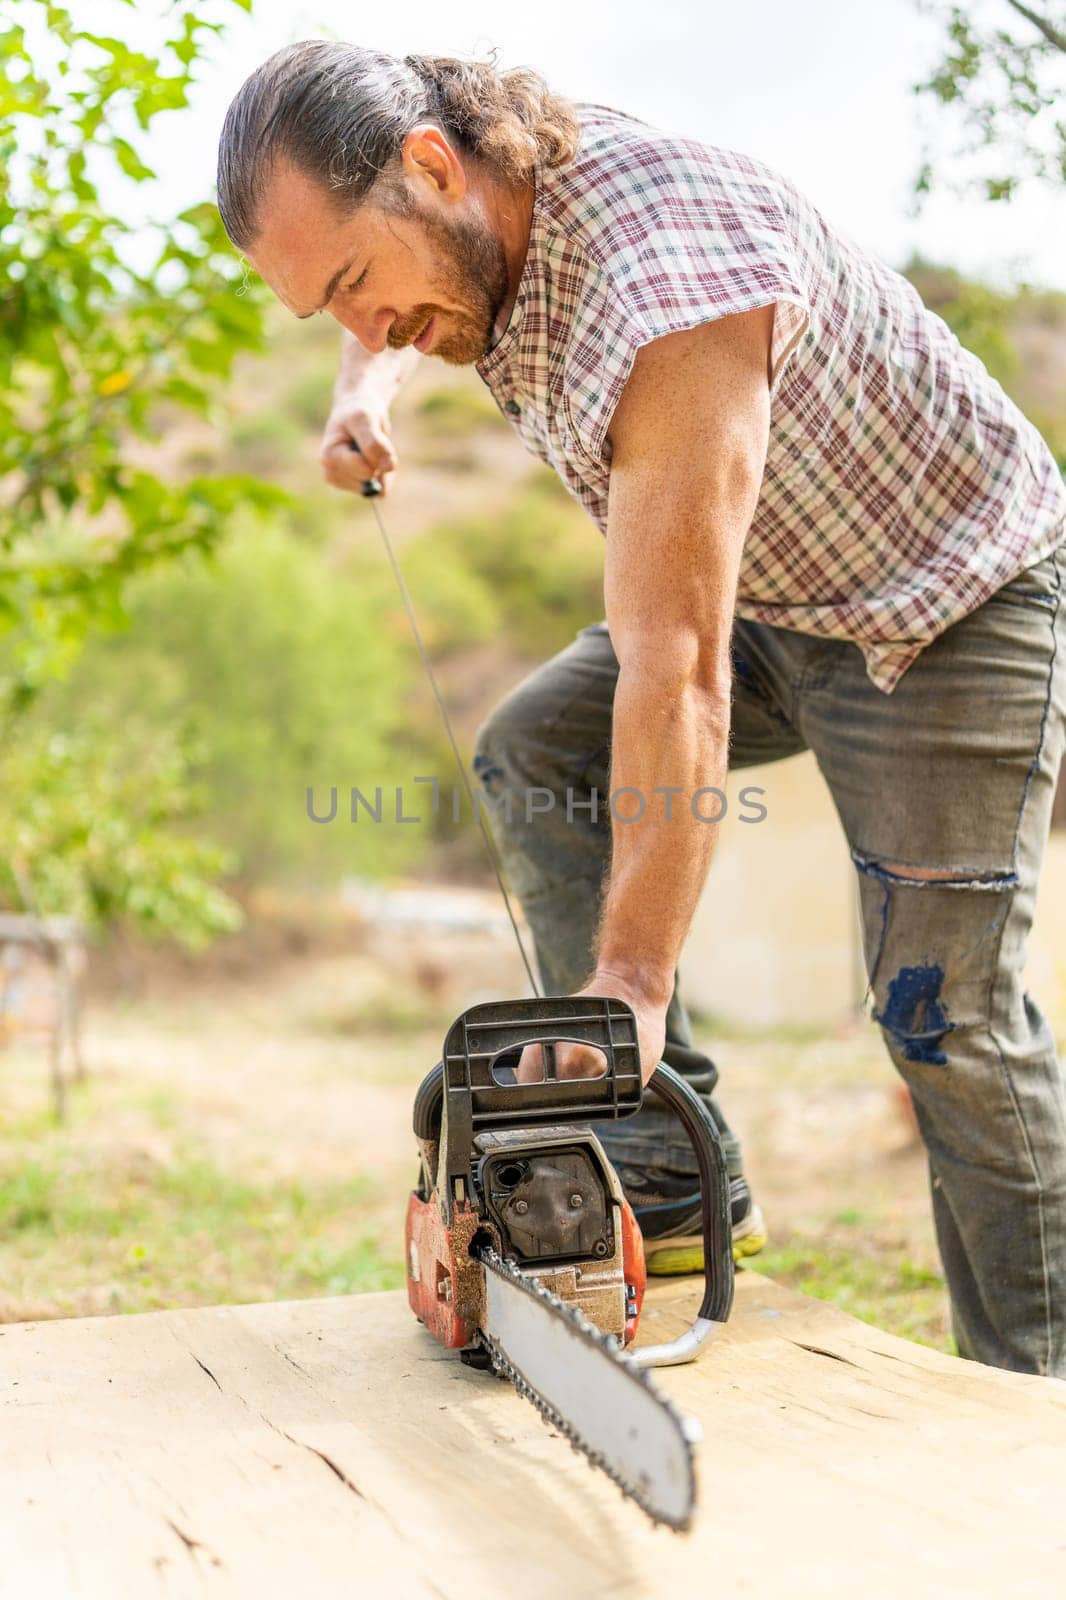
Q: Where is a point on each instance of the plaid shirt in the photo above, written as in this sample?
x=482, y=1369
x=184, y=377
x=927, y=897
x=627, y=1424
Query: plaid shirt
x=902, y=487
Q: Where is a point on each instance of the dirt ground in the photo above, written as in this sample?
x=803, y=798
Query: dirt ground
x=295, y=1062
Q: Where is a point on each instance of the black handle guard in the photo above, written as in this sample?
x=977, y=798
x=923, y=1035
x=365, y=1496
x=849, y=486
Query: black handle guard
x=706, y=1142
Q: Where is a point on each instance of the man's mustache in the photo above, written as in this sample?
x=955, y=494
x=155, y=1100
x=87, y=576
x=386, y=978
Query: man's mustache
x=405, y=332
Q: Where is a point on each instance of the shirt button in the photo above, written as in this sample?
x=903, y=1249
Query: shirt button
x=514, y=408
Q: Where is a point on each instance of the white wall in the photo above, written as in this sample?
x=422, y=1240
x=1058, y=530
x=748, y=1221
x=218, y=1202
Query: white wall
x=775, y=938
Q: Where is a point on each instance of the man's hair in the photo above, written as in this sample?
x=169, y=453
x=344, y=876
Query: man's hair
x=340, y=114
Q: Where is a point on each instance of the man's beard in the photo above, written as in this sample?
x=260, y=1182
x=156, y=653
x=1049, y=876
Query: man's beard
x=473, y=271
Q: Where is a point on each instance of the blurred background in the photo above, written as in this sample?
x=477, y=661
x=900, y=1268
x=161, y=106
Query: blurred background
x=214, y=1010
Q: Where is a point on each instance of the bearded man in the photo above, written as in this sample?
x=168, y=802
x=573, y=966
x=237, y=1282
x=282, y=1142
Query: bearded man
x=827, y=528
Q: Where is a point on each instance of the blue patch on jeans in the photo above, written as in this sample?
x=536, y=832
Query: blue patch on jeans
x=915, y=1016
x=486, y=771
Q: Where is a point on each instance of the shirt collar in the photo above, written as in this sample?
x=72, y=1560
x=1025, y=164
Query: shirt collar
x=504, y=347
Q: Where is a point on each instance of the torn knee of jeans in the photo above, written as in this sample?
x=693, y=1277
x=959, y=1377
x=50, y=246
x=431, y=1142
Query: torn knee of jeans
x=914, y=1014
x=986, y=879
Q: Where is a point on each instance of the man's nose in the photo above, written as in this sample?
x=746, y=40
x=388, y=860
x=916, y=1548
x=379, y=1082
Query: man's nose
x=371, y=330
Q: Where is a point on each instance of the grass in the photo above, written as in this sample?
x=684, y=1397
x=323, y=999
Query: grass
x=879, y=1286
x=129, y=1228
x=122, y=1230
x=133, y=1206
x=89, y=1231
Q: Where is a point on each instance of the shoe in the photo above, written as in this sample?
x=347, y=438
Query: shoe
x=674, y=1257
x=669, y=1216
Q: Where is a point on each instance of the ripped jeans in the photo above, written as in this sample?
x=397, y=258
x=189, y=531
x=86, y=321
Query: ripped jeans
x=944, y=789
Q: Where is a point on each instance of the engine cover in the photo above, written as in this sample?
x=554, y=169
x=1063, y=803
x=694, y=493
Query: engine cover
x=549, y=1205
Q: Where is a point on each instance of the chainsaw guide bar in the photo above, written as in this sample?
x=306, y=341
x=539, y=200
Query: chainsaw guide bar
x=587, y=1388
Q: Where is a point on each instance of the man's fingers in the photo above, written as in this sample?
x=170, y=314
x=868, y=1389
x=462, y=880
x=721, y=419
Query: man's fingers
x=530, y=1067
x=356, y=447
x=346, y=468
x=571, y=1061
x=579, y=1061
x=374, y=455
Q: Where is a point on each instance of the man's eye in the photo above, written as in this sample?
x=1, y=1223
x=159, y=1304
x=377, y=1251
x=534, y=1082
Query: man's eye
x=358, y=284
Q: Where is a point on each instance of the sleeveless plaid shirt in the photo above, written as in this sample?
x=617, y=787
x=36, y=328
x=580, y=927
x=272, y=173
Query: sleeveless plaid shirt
x=902, y=487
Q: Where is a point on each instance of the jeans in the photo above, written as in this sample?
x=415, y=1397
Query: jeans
x=953, y=775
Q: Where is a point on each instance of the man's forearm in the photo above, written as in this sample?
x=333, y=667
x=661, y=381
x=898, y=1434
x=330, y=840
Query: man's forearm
x=664, y=738
x=384, y=370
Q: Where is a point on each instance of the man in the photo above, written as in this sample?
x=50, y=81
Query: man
x=826, y=528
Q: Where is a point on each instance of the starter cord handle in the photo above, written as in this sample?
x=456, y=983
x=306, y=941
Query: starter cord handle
x=370, y=488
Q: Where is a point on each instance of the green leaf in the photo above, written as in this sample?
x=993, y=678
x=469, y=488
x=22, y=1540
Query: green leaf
x=129, y=160
x=95, y=353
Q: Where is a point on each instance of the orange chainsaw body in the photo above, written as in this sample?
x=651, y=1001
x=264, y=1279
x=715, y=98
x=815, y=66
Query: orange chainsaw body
x=445, y=1281
x=511, y=1166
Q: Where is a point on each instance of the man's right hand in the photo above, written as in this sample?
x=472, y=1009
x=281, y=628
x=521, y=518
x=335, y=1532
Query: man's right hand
x=357, y=443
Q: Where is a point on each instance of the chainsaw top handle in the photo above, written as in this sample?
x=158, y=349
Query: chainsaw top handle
x=483, y=1046
x=474, y=1088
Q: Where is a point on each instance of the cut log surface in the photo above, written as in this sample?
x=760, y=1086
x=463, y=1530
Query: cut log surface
x=330, y=1448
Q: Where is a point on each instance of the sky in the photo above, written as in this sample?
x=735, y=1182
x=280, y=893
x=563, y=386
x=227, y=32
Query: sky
x=820, y=90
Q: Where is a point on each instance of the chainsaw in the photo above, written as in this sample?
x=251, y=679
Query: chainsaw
x=523, y=1253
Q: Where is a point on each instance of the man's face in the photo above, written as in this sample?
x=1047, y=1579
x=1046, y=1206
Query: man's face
x=433, y=277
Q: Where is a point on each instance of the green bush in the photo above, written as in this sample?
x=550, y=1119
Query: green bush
x=308, y=400
x=458, y=411
x=92, y=348
x=109, y=328
x=290, y=678
x=266, y=443
x=538, y=564
x=95, y=825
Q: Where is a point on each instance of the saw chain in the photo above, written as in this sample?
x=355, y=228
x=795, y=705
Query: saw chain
x=607, y=1348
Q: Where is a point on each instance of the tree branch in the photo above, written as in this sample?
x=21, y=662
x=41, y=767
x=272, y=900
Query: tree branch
x=1041, y=24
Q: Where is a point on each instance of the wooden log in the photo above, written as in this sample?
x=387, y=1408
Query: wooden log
x=328, y=1447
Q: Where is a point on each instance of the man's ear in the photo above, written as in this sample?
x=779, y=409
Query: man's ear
x=428, y=156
